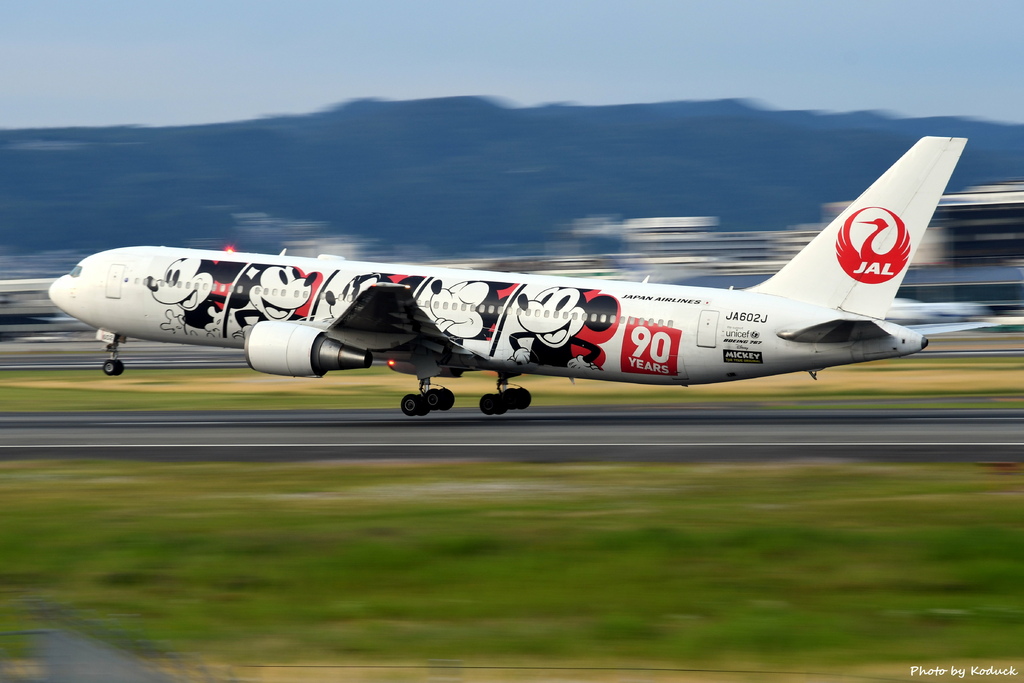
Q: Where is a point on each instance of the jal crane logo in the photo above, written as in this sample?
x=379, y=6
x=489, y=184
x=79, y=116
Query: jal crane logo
x=873, y=245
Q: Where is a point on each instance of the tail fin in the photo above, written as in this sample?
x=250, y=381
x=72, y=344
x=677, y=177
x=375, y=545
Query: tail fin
x=857, y=263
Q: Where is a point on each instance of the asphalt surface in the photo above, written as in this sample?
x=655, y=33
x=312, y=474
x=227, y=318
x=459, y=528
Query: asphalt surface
x=685, y=433
x=540, y=434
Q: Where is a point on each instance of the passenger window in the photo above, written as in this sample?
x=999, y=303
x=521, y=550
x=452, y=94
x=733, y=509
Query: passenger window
x=444, y=306
x=490, y=309
x=604, y=317
x=671, y=324
x=660, y=323
x=239, y=289
x=547, y=314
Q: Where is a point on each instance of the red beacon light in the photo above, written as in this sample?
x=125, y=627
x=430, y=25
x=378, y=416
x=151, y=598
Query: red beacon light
x=230, y=249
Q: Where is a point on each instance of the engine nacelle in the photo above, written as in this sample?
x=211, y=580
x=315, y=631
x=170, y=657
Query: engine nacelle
x=284, y=348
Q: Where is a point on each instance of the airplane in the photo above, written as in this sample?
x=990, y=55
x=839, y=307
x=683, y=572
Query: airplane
x=306, y=317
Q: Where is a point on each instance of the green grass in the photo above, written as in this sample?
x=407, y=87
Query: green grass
x=795, y=566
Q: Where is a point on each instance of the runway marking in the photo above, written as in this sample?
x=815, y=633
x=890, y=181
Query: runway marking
x=553, y=444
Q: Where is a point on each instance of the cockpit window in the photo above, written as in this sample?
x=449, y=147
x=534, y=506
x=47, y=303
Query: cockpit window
x=76, y=271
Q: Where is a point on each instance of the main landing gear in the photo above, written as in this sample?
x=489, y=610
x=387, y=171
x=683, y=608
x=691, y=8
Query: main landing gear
x=514, y=398
x=427, y=400
x=507, y=398
x=113, y=365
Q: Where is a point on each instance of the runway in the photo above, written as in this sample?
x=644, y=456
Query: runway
x=540, y=434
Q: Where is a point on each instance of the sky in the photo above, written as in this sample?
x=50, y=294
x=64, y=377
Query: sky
x=180, y=62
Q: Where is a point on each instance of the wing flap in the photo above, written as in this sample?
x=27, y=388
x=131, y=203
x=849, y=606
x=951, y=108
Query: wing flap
x=385, y=316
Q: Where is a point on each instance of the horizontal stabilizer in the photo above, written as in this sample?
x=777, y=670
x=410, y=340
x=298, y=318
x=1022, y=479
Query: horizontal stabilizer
x=835, y=332
x=943, y=328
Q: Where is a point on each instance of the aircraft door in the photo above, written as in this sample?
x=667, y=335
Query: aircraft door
x=707, y=329
x=114, y=278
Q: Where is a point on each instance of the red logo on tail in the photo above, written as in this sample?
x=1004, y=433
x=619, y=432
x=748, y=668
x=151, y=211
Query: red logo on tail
x=873, y=245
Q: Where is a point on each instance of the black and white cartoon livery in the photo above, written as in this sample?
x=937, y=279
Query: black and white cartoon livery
x=309, y=317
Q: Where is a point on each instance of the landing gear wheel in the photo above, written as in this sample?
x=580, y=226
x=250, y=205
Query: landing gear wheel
x=414, y=404
x=447, y=399
x=492, y=404
x=440, y=399
x=113, y=367
x=517, y=398
x=433, y=399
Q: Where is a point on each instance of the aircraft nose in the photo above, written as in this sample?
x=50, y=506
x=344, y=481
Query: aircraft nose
x=60, y=292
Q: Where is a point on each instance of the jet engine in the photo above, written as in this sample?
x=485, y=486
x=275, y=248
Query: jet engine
x=284, y=348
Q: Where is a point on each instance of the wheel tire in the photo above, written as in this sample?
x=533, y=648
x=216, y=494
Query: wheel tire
x=434, y=399
x=412, y=404
x=424, y=406
x=518, y=398
x=113, y=367
x=510, y=397
x=447, y=399
x=500, y=407
x=487, y=403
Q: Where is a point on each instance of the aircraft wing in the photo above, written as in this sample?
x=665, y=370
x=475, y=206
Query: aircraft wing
x=385, y=316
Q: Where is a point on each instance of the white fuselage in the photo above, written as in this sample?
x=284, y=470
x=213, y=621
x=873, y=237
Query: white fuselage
x=512, y=323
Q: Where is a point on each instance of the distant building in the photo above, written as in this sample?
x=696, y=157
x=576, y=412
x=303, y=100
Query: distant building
x=26, y=309
x=985, y=224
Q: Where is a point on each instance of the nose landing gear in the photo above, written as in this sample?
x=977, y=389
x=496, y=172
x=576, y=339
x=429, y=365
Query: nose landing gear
x=113, y=366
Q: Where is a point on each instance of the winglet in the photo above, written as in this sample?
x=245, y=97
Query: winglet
x=856, y=264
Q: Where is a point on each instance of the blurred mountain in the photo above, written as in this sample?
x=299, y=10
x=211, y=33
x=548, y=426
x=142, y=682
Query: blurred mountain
x=463, y=174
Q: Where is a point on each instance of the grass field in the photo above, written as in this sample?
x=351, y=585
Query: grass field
x=968, y=379
x=836, y=567
x=852, y=568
